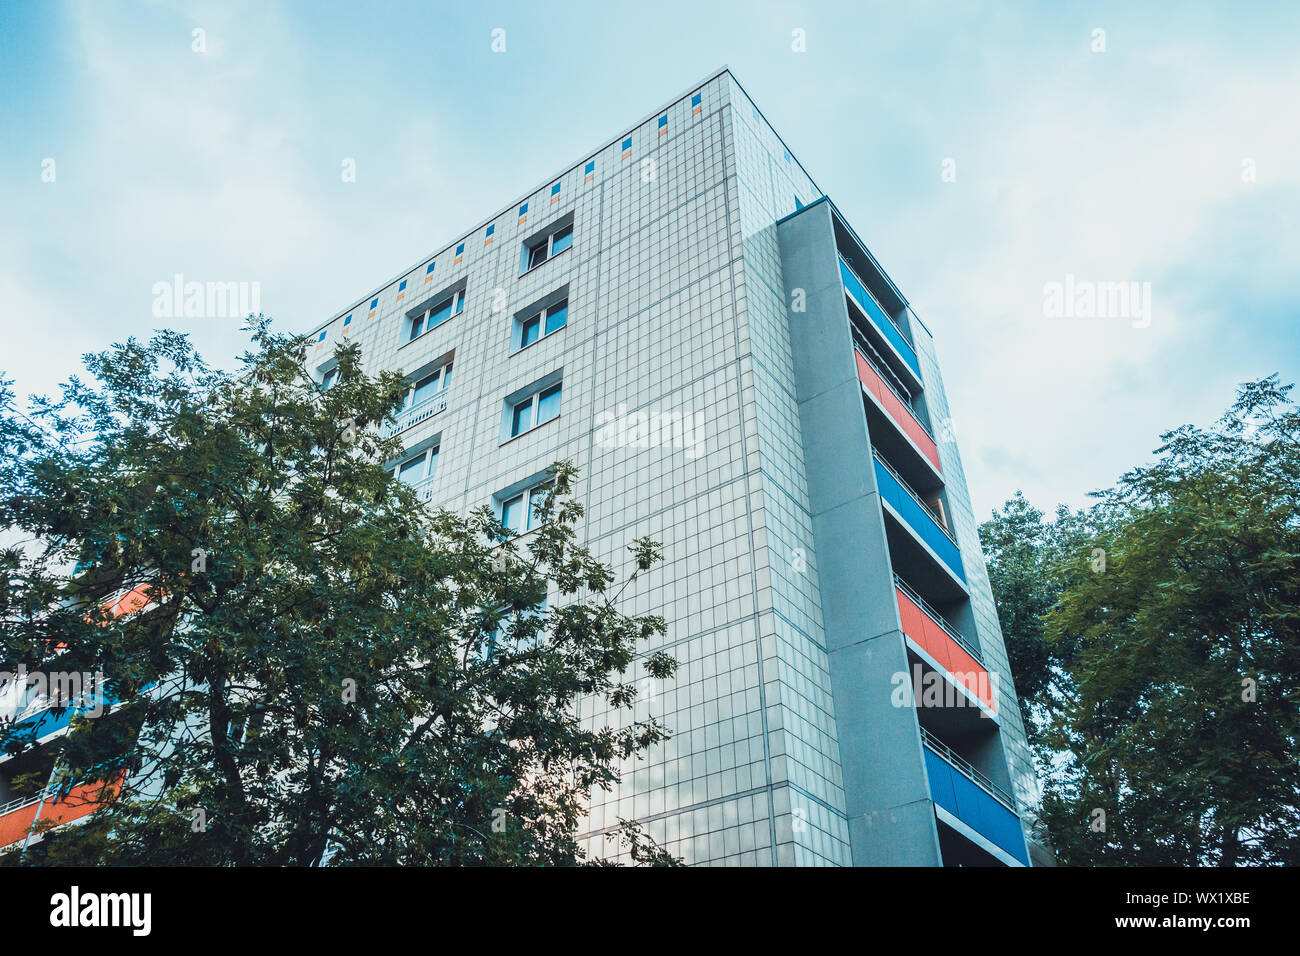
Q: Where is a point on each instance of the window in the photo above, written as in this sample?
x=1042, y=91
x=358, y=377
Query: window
x=529, y=332
x=557, y=315
x=428, y=386
x=328, y=378
x=522, y=511
x=548, y=404
x=439, y=309
x=419, y=468
x=536, y=255
x=561, y=240
x=523, y=418
x=530, y=407
x=547, y=244
x=540, y=319
x=535, y=410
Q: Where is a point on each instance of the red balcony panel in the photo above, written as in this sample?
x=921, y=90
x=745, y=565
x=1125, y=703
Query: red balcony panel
x=13, y=825
x=80, y=801
x=899, y=412
x=971, y=673
x=138, y=597
x=896, y=410
x=939, y=644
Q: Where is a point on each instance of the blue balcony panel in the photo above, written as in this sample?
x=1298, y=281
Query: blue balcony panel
x=42, y=723
x=919, y=519
x=884, y=324
x=970, y=803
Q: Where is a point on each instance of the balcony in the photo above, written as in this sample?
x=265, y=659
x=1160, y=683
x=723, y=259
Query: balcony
x=46, y=716
x=895, y=405
x=927, y=629
x=917, y=515
x=18, y=816
x=886, y=326
x=410, y=417
x=972, y=798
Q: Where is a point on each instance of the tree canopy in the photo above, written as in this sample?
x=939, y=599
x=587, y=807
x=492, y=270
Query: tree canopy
x=326, y=670
x=1155, y=640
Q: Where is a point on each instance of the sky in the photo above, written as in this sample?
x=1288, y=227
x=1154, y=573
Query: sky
x=981, y=152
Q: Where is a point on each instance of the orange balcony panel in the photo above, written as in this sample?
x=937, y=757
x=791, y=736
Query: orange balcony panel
x=80, y=801
x=939, y=644
x=135, y=599
x=896, y=410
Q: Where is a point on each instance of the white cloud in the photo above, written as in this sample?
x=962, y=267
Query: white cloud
x=1077, y=179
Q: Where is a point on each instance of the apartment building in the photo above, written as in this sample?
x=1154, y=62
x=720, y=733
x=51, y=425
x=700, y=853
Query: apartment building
x=690, y=320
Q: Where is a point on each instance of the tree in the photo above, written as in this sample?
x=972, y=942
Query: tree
x=1172, y=647
x=1019, y=545
x=326, y=670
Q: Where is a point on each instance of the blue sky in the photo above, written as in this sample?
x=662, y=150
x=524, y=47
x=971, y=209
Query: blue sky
x=1123, y=165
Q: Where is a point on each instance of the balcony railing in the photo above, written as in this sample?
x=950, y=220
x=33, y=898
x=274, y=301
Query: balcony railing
x=919, y=516
x=424, y=488
x=933, y=515
x=971, y=797
x=881, y=367
x=938, y=618
x=968, y=769
x=20, y=802
x=410, y=417
x=882, y=320
x=896, y=407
